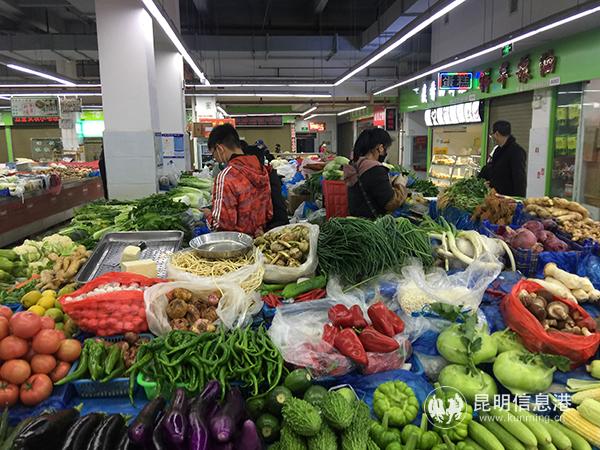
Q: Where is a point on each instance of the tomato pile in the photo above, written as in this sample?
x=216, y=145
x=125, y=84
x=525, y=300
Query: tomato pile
x=34, y=355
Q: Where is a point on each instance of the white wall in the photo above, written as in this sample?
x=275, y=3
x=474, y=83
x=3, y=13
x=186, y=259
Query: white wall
x=538, y=143
x=476, y=22
x=413, y=125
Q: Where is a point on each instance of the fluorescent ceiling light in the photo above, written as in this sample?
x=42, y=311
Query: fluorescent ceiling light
x=351, y=110
x=54, y=94
x=91, y=106
x=41, y=74
x=309, y=110
x=312, y=116
x=222, y=111
x=493, y=48
x=3, y=97
x=391, y=46
x=259, y=94
x=253, y=85
x=263, y=114
x=172, y=35
x=36, y=85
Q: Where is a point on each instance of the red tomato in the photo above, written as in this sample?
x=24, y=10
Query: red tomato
x=43, y=364
x=61, y=334
x=36, y=389
x=25, y=324
x=69, y=350
x=6, y=312
x=3, y=327
x=9, y=394
x=47, y=323
x=15, y=371
x=46, y=342
x=30, y=354
x=12, y=347
x=60, y=371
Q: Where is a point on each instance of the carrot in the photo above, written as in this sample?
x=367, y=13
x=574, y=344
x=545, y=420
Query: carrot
x=35, y=276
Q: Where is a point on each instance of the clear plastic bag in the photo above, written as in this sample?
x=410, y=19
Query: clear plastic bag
x=235, y=308
x=281, y=274
x=248, y=277
x=461, y=288
x=297, y=329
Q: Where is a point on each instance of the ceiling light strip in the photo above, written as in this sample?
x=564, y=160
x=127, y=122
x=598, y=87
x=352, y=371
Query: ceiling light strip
x=62, y=81
x=54, y=94
x=399, y=39
x=260, y=94
x=309, y=110
x=162, y=20
x=351, y=110
x=36, y=85
x=493, y=48
x=264, y=114
x=261, y=85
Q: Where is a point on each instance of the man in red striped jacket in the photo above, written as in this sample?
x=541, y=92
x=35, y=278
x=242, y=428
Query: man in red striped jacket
x=241, y=199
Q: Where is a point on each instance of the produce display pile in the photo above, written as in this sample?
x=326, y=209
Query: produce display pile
x=385, y=334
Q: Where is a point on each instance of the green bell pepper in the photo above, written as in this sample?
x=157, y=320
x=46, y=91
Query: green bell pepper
x=460, y=432
x=463, y=446
x=396, y=399
x=446, y=445
x=382, y=435
x=425, y=439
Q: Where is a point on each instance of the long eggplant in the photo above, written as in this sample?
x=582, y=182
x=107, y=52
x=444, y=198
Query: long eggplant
x=124, y=443
x=140, y=431
x=46, y=431
x=224, y=423
x=158, y=440
x=211, y=391
x=175, y=423
x=200, y=410
x=106, y=435
x=221, y=446
x=248, y=438
x=79, y=434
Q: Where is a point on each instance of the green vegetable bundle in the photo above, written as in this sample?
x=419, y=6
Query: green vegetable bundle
x=190, y=360
x=465, y=194
x=357, y=249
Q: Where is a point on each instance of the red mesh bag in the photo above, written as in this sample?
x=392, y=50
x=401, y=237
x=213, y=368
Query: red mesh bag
x=110, y=313
x=575, y=347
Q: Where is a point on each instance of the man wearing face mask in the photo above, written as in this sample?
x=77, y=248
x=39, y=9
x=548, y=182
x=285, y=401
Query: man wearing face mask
x=241, y=199
x=371, y=192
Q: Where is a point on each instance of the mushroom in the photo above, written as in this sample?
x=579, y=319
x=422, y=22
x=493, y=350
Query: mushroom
x=538, y=311
x=545, y=295
x=558, y=310
x=585, y=331
x=547, y=323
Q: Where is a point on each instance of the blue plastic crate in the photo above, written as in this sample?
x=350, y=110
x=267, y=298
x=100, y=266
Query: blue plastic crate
x=117, y=387
x=5, y=192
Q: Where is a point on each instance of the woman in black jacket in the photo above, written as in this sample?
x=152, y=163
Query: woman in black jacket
x=371, y=192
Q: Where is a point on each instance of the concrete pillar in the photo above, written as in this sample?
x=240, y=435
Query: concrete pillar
x=132, y=142
x=171, y=99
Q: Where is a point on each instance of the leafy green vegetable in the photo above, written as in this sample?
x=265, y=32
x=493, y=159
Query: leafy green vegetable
x=465, y=194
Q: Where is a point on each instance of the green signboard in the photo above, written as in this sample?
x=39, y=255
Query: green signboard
x=92, y=115
x=6, y=119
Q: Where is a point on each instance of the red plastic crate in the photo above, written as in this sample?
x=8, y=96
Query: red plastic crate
x=335, y=196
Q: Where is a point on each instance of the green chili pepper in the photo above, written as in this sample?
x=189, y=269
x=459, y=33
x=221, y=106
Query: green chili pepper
x=96, y=358
x=116, y=372
x=81, y=370
x=114, y=354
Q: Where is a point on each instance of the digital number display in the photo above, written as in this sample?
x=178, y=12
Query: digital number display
x=448, y=81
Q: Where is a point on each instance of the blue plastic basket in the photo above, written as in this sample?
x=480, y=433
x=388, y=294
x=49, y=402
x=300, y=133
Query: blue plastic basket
x=117, y=387
x=5, y=192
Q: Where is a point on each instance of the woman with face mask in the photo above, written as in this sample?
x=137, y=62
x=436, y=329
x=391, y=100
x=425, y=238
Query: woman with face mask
x=371, y=192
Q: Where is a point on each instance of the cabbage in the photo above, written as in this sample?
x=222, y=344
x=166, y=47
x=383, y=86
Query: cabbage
x=468, y=382
x=523, y=372
x=450, y=344
x=507, y=340
x=341, y=160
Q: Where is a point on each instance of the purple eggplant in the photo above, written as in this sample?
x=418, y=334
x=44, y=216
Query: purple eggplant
x=140, y=431
x=158, y=440
x=175, y=424
x=211, y=391
x=248, y=438
x=198, y=418
x=213, y=445
x=226, y=420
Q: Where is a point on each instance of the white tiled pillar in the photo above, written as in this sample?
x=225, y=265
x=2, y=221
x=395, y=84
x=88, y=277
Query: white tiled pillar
x=537, y=156
x=132, y=143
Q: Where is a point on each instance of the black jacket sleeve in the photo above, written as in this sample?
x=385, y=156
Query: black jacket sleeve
x=376, y=183
x=280, y=216
x=484, y=173
x=518, y=166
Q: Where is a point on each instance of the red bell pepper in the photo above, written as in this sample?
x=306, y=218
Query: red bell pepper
x=348, y=344
x=329, y=333
x=379, y=315
x=396, y=321
x=358, y=319
x=340, y=316
x=374, y=341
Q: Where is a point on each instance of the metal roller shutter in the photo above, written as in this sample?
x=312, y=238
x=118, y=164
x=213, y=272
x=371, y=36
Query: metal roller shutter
x=515, y=109
x=345, y=138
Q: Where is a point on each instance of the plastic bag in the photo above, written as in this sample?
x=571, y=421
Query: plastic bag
x=297, y=329
x=461, y=288
x=235, y=308
x=287, y=171
x=590, y=267
x=248, y=277
x=575, y=347
x=281, y=274
x=114, y=312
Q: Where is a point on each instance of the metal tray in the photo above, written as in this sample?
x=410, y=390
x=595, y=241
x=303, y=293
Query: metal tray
x=222, y=244
x=107, y=255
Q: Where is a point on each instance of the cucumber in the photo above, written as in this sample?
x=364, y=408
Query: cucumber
x=547, y=447
x=533, y=422
x=511, y=424
x=506, y=439
x=577, y=442
x=560, y=440
x=277, y=397
x=255, y=407
x=482, y=436
x=315, y=395
x=298, y=381
x=474, y=445
x=268, y=427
